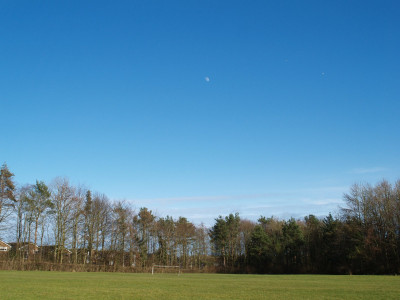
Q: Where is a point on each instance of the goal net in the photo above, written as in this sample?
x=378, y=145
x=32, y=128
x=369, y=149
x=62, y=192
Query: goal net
x=165, y=269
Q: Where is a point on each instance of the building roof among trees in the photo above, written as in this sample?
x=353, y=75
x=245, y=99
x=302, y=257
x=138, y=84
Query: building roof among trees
x=4, y=244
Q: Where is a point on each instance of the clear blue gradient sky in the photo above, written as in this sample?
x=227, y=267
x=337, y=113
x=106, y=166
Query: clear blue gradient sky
x=302, y=101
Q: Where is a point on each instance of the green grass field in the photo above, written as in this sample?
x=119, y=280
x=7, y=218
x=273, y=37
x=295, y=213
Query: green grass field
x=55, y=285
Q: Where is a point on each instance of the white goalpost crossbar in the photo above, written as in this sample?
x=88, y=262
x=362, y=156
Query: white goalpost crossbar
x=160, y=266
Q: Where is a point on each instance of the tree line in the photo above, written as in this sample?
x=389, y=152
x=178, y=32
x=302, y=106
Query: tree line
x=62, y=224
x=363, y=239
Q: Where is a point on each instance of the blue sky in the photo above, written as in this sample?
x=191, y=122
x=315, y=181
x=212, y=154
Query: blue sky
x=302, y=101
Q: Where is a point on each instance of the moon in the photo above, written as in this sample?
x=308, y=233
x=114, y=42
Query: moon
x=207, y=79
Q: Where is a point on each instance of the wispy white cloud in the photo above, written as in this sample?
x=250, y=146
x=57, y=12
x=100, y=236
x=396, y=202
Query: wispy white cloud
x=327, y=189
x=367, y=170
x=171, y=200
x=327, y=201
x=261, y=196
x=282, y=204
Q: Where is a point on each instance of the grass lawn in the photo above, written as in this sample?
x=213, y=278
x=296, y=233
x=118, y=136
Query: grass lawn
x=55, y=285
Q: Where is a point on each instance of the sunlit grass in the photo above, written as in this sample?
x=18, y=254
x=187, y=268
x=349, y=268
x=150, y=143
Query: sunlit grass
x=55, y=285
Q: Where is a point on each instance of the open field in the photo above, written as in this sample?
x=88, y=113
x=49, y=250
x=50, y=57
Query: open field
x=55, y=285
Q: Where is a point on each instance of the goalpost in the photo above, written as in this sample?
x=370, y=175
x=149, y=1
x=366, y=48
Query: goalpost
x=160, y=266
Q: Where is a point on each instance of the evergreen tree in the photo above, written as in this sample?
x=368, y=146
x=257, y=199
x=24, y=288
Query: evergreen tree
x=294, y=242
x=259, y=250
x=7, y=189
x=332, y=255
x=219, y=237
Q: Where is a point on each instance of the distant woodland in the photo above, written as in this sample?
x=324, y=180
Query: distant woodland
x=58, y=226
